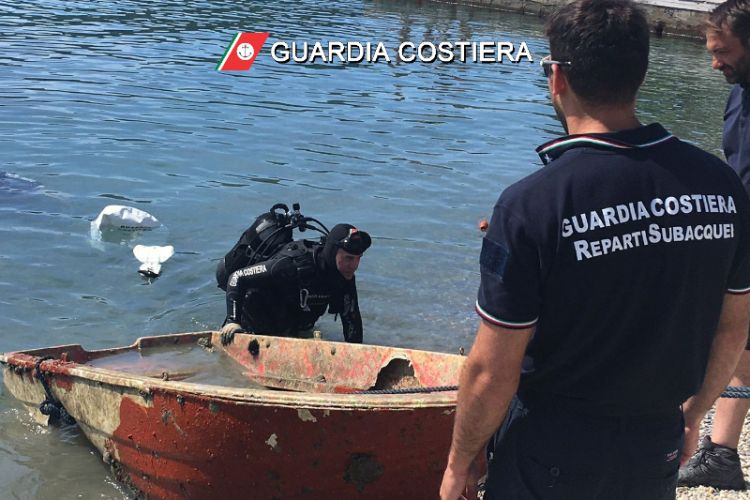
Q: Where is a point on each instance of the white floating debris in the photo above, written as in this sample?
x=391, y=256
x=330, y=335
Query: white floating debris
x=123, y=218
x=120, y=224
x=123, y=225
x=151, y=258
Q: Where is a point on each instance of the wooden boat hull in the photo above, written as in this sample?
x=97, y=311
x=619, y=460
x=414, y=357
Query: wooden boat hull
x=171, y=439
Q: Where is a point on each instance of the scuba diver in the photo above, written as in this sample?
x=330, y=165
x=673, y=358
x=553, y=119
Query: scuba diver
x=279, y=286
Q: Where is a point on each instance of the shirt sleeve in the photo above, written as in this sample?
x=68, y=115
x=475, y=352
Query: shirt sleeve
x=509, y=291
x=739, y=274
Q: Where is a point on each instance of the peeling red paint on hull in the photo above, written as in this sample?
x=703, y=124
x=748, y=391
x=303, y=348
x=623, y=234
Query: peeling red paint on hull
x=177, y=451
x=173, y=440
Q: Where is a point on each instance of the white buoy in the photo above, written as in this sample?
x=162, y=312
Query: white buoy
x=151, y=258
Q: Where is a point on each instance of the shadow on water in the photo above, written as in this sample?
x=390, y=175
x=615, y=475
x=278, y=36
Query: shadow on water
x=13, y=185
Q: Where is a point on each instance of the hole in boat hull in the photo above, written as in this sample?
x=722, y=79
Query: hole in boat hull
x=397, y=374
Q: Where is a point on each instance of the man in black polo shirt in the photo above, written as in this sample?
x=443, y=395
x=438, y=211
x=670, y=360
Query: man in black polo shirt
x=613, y=288
x=717, y=462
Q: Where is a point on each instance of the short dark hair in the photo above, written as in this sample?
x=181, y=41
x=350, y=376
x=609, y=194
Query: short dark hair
x=734, y=14
x=607, y=44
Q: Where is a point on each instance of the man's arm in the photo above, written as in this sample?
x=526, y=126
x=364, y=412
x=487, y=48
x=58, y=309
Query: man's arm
x=728, y=344
x=488, y=382
x=351, y=319
x=255, y=276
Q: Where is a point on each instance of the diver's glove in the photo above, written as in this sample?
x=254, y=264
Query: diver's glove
x=228, y=331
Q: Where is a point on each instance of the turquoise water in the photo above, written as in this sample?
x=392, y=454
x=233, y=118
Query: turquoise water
x=119, y=103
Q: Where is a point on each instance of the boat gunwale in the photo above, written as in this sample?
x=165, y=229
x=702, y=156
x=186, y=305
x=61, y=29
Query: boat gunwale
x=263, y=397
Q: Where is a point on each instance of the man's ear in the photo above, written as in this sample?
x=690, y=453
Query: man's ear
x=558, y=84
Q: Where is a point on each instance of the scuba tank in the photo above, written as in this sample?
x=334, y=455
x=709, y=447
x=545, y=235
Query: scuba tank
x=267, y=235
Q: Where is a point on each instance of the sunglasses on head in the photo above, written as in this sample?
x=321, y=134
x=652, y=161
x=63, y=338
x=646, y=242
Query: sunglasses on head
x=547, y=63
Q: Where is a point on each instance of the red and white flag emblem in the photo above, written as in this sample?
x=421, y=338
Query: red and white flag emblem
x=241, y=53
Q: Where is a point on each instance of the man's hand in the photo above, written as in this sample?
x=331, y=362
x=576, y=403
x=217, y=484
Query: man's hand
x=228, y=331
x=728, y=345
x=488, y=381
x=691, y=441
x=457, y=485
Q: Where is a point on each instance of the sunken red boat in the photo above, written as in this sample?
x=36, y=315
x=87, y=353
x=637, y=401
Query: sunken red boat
x=179, y=416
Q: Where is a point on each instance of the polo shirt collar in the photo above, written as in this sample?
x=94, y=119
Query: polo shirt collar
x=641, y=137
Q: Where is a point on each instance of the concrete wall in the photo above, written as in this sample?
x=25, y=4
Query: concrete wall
x=676, y=17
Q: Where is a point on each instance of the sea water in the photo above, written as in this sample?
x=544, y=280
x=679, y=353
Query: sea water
x=119, y=103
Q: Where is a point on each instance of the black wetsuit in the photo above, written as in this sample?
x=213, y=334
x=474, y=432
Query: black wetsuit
x=287, y=293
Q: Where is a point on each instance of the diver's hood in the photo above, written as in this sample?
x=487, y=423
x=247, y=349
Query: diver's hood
x=345, y=236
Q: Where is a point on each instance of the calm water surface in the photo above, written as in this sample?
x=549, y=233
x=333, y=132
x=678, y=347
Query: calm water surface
x=119, y=103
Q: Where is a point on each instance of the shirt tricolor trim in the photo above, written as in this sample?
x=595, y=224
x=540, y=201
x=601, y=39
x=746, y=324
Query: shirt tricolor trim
x=654, y=143
x=550, y=150
x=581, y=140
x=499, y=322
